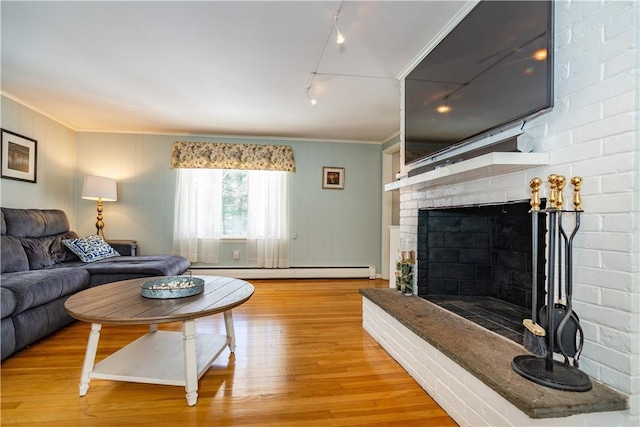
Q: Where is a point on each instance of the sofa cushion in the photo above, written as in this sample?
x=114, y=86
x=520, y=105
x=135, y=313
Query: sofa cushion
x=47, y=251
x=14, y=257
x=35, y=222
x=8, y=303
x=91, y=248
x=128, y=267
x=8, y=333
x=37, y=323
x=37, y=287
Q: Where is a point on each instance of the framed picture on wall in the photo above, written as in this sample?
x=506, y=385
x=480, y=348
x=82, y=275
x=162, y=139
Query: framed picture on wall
x=333, y=178
x=19, y=157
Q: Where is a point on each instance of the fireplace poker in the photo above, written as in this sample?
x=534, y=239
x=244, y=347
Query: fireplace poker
x=549, y=312
x=560, y=183
x=550, y=286
x=577, y=199
x=534, y=334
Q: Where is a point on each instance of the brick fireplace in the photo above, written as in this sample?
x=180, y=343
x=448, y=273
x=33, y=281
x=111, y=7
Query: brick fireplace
x=591, y=132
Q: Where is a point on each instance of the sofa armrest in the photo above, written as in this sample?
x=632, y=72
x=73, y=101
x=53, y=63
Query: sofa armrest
x=124, y=247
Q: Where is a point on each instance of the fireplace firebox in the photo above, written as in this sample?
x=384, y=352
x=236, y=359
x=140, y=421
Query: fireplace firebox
x=476, y=261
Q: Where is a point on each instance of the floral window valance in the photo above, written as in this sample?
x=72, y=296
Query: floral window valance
x=211, y=155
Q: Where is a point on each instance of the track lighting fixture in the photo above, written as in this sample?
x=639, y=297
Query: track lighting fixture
x=444, y=108
x=312, y=101
x=340, y=39
x=339, y=36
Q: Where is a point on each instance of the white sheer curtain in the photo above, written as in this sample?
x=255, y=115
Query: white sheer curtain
x=198, y=215
x=268, y=219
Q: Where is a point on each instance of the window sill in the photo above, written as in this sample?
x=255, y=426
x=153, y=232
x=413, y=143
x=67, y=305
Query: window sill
x=233, y=239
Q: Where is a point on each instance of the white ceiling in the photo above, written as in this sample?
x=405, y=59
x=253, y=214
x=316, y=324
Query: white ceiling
x=217, y=67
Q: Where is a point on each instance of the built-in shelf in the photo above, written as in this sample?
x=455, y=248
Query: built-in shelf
x=487, y=164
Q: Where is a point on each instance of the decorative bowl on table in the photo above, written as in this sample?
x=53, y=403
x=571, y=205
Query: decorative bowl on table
x=172, y=287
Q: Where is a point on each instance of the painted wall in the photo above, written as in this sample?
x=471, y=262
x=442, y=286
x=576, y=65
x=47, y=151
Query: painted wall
x=328, y=227
x=56, y=161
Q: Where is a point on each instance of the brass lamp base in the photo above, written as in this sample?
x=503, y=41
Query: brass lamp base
x=99, y=222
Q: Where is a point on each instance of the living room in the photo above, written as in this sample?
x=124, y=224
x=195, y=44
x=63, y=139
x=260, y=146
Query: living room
x=337, y=228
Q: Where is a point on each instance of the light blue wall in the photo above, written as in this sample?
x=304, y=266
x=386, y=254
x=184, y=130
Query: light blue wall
x=336, y=227
x=328, y=227
x=56, y=161
x=391, y=141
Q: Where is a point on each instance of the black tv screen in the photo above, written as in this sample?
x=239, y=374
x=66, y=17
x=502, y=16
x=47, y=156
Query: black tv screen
x=494, y=68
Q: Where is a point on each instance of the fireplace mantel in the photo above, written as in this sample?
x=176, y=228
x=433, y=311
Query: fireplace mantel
x=487, y=164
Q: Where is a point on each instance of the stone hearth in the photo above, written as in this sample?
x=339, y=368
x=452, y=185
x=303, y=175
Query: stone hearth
x=471, y=346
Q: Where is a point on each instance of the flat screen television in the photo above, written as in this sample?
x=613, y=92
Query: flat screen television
x=493, y=69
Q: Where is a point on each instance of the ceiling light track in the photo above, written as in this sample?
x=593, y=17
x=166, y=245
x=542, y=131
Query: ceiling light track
x=340, y=39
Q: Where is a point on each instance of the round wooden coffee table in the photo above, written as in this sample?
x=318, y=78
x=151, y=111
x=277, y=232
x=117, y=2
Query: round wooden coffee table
x=158, y=357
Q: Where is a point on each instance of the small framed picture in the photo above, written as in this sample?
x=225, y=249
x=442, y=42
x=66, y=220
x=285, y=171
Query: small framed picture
x=333, y=178
x=19, y=157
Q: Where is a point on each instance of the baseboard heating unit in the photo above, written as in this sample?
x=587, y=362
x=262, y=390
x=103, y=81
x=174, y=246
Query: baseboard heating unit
x=365, y=272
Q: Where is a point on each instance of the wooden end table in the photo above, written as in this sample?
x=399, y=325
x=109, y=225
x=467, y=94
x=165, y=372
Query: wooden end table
x=158, y=357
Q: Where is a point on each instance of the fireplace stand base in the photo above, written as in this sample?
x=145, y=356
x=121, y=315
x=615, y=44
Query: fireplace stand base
x=561, y=376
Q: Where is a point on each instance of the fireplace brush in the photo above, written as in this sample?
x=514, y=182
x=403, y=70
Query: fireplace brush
x=534, y=334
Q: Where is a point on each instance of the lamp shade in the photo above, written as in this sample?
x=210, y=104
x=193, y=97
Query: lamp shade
x=100, y=187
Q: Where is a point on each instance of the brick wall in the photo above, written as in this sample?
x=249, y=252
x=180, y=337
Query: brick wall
x=592, y=132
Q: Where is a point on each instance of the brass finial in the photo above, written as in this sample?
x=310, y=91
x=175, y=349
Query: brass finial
x=576, y=181
x=553, y=196
x=560, y=183
x=535, y=184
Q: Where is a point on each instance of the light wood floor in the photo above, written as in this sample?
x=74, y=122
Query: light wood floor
x=302, y=359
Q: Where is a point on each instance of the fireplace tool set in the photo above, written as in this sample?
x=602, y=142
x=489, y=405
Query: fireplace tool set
x=556, y=327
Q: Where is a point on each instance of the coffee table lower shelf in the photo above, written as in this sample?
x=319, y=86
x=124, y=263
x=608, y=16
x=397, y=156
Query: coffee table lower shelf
x=158, y=358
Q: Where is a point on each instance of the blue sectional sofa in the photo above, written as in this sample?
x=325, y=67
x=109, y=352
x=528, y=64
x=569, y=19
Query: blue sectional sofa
x=39, y=273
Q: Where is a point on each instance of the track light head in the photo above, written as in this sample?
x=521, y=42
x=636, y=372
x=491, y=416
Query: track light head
x=339, y=36
x=312, y=101
x=444, y=107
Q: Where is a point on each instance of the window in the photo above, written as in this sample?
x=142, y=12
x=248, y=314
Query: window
x=215, y=203
x=235, y=200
